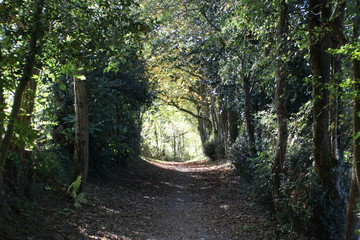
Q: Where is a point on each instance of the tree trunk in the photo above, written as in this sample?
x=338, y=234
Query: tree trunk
x=25, y=156
x=81, y=155
x=17, y=174
x=202, y=131
x=2, y=99
x=23, y=82
x=320, y=66
x=214, y=113
x=280, y=99
x=223, y=135
x=233, y=127
x=2, y=107
x=248, y=117
x=334, y=97
x=352, y=220
x=356, y=117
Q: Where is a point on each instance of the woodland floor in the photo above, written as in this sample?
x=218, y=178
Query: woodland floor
x=158, y=201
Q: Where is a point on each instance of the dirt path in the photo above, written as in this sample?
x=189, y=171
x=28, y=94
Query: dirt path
x=159, y=201
x=181, y=216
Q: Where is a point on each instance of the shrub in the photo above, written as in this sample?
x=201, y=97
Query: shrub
x=240, y=158
x=214, y=149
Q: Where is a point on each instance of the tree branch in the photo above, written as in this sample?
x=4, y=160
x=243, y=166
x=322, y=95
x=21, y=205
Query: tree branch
x=173, y=104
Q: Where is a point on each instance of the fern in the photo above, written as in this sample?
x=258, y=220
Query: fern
x=80, y=199
x=73, y=191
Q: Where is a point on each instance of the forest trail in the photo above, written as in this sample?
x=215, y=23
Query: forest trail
x=158, y=201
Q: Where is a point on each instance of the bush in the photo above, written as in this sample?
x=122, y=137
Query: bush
x=214, y=149
x=240, y=158
x=304, y=203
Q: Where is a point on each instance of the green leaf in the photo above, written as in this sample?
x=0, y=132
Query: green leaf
x=81, y=77
x=62, y=86
x=357, y=135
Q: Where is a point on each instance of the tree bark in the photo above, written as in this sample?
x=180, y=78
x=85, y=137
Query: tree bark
x=28, y=72
x=81, y=155
x=280, y=100
x=202, y=131
x=319, y=13
x=2, y=99
x=356, y=112
x=352, y=221
x=248, y=117
x=233, y=127
x=2, y=106
x=334, y=97
x=17, y=175
x=223, y=134
x=214, y=113
x=25, y=156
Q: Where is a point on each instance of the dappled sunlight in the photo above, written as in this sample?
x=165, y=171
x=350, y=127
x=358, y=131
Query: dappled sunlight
x=192, y=166
x=170, y=134
x=107, y=235
x=109, y=210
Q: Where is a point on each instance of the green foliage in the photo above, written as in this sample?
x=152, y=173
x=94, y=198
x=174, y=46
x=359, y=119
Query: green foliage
x=352, y=51
x=169, y=134
x=50, y=167
x=240, y=158
x=74, y=192
x=74, y=187
x=214, y=149
x=116, y=102
x=303, y=199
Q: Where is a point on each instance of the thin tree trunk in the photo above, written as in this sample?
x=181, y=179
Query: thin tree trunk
x=81, y=155
x=27, y=75
x=320, y=66
x=2, y=107
x=2, y=99
x=214, y=113
x=334, y=97
x=280, y=100
x=248, y=117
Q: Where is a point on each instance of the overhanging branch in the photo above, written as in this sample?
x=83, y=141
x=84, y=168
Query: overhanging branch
x=173, y=104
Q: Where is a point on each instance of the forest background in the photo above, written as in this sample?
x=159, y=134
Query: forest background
x=86, y=87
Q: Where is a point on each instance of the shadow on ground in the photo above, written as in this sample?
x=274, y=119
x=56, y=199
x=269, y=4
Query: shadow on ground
x=153, y=201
